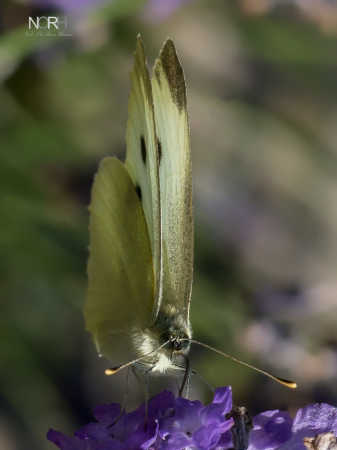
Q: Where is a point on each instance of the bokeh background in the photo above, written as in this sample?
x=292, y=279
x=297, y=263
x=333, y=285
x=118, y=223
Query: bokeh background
x=262, y=97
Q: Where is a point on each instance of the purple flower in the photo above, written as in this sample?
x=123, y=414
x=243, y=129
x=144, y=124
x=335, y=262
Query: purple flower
x=172, y=424
x=178, y=423
x=276, y=430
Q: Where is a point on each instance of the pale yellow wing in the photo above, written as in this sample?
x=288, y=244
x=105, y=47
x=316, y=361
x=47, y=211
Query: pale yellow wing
x=175, y=175
x=120, y=274
x=142, y=157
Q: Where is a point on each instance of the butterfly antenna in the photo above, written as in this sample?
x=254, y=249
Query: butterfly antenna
x=114, y=370
x=287, y=383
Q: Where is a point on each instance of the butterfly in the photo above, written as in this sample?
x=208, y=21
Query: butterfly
x=140, y=266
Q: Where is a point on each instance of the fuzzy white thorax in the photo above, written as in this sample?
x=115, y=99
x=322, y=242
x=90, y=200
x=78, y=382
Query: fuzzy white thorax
x=145, y=342
x=169, y=325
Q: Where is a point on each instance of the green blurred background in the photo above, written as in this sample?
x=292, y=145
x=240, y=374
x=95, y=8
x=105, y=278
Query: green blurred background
x=262, y=97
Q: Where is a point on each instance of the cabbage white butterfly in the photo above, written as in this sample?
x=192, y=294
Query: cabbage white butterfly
x=141, y=225
x=140, y=267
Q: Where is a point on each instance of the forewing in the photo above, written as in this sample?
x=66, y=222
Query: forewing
x=120, y=275
x=142, y=158
x=169, y=98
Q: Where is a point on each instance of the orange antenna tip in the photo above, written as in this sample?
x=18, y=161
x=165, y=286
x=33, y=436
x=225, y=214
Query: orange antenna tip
x=288, y=383
x=111, y=371
x=114, y=370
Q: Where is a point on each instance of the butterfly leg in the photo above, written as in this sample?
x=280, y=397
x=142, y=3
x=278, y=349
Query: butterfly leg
x=126, y=391
x=195, y=372
x=125, y=399
x=203, y=380
x=144, y=381
x=186, y=378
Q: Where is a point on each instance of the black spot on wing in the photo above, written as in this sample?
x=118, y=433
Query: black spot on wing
x=143, y=149
x=159, y=150
x=139, y=192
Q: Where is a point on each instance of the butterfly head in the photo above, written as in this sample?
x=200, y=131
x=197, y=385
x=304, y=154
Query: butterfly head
x=169, y=336
x=174, y=329
x=178, y=339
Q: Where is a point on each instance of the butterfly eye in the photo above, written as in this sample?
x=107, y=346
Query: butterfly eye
x=177, y=345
